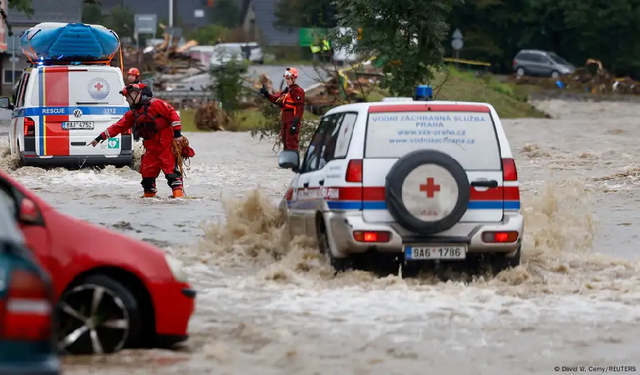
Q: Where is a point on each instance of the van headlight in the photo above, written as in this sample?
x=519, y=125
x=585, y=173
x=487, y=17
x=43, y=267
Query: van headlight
x=177, y=269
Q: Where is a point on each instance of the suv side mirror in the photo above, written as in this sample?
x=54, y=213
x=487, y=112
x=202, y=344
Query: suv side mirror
x=5, y=103
x=29, y=212
x=289, y=159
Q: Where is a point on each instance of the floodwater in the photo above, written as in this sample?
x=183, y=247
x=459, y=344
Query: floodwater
x=269, y=305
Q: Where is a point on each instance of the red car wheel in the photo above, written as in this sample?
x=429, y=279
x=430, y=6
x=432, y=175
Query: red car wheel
x=98, y=315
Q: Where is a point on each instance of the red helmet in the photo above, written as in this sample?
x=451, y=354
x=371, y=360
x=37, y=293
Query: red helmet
x=130, y=88
x=134, y=72
x=291, y=72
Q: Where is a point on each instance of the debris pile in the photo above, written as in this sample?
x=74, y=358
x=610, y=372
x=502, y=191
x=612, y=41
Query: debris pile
x=592, y=78
x=166, y=60
x=211, y=116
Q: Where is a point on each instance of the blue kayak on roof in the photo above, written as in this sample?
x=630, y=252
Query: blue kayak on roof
x=53, y=40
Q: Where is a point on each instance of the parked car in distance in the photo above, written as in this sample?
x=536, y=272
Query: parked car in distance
x=111, y=291
x=534, y=62
x=27, y=341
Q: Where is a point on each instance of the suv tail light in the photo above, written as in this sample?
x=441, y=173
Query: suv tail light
x=29, y=126
x=375, y=236
x=500, y=237
x=509, y=171
x=513, y=63
x=26, y=313
x=354, y=171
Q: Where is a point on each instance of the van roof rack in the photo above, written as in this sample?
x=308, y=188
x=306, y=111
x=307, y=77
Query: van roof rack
x=37, y=61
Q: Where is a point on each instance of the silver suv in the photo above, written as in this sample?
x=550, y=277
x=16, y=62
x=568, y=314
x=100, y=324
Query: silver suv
x=541, y=63
x=411, y=183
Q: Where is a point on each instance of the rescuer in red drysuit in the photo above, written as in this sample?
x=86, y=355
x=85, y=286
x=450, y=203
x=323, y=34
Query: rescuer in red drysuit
x=133, y=76
x=291, y=100
x=158, y=123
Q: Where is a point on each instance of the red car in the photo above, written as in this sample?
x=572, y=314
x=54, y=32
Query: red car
x=112, y=291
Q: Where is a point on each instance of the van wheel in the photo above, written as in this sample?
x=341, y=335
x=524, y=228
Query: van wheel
x=501, y=262
x=555, y=74
x=339, y=264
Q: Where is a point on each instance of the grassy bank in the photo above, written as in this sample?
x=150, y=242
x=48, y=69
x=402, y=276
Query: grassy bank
x=508, y=100
x=246, y=120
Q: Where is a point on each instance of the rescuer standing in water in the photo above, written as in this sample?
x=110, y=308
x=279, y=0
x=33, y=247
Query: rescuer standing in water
x=291, y=102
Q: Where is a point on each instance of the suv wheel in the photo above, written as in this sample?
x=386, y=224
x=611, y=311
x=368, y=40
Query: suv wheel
x=339, y=264
x=520, y=72
x=501, y=262
x=555, y=74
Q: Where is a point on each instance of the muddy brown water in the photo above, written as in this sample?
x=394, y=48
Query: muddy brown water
x=270, y=305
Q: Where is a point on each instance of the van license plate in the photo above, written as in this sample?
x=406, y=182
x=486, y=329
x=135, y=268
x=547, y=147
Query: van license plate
x=74, y=125
x=435, y=252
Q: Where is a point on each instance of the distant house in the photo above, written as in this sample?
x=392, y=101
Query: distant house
x=259, y=23
x=43, y=11
x=190, y=13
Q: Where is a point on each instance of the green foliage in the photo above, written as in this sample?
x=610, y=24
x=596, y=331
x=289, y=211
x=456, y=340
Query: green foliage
x=408, y=36
x=120, y=20
x=305, y=13
x=208, y=35
x=228, y=75
x=26, y=5
x=495, y=30
x=226, y=13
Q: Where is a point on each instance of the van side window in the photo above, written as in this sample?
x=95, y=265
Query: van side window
x=23, y=89
x=16, y=91
x=345, y=131
x=330, y=140
x=312, y=156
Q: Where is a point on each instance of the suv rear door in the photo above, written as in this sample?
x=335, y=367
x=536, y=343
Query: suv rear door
x=74, y=105
x=466, y=132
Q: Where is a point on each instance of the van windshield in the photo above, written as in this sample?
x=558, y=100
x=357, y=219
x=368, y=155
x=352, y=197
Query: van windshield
x=79, y=87
x=468, y=137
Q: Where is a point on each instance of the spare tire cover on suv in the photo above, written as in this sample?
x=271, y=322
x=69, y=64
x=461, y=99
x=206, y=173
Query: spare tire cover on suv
x=427, y=191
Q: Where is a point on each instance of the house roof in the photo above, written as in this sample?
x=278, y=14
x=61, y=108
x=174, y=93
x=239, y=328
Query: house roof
x=271, y=34
x=48, y=11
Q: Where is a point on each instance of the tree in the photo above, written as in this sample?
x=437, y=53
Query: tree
x=208, y=35
x=407, y=36
x=226, y=13
x=121, y=20
x=305, y=13
x=25, y=5
x=92, y=14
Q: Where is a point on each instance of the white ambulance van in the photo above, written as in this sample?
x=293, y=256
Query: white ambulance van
x=59, y=109
x=413, y=183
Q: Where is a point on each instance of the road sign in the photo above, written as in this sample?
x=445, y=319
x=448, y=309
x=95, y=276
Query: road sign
x=457, y=44
x=457, y=34
x=145, y=23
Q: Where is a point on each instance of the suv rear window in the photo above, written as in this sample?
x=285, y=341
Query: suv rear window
x=468, y=137
x=85, y=87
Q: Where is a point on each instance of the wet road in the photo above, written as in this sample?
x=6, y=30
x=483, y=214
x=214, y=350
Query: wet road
x=271, y=306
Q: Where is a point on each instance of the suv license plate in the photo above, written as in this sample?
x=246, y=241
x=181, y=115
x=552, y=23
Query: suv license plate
x=419, y=252
x=75, y=125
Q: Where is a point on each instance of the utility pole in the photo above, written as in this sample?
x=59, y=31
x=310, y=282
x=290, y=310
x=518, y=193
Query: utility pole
x=173, y=11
